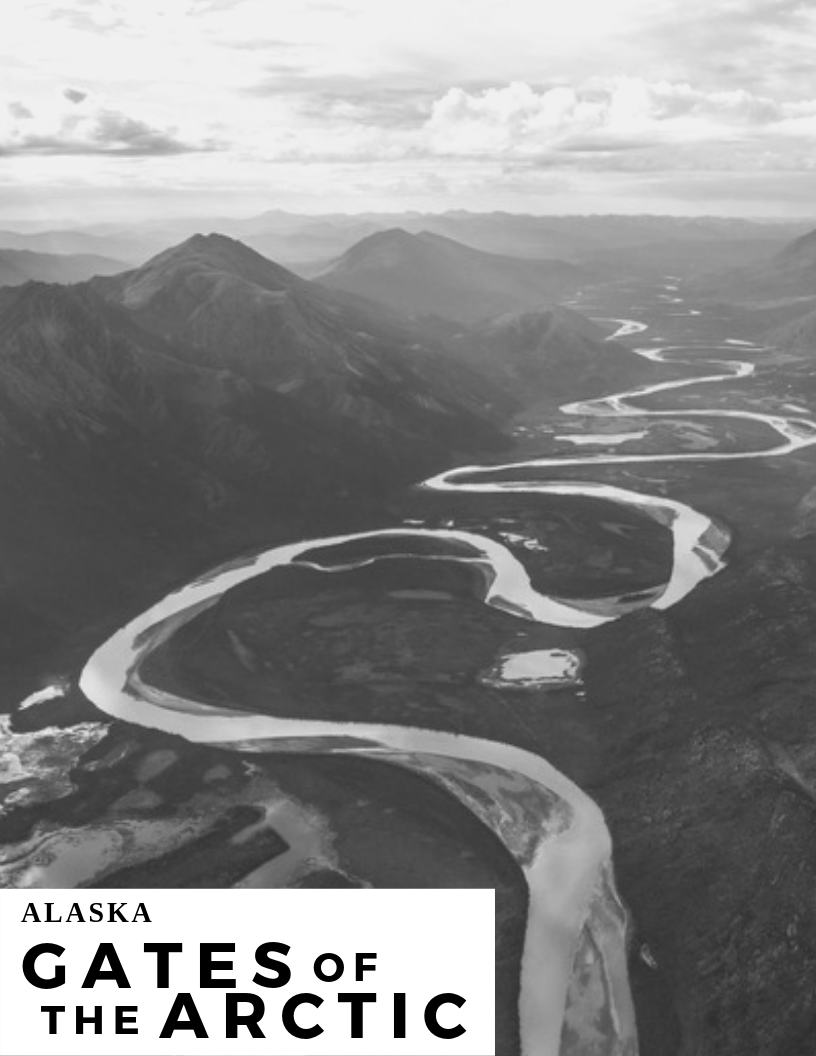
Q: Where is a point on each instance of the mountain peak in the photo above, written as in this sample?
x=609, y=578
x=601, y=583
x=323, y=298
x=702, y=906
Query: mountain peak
x=212, y=239
x=201, y=260
x=381, y=248
x=429, y=274
x=216, y=251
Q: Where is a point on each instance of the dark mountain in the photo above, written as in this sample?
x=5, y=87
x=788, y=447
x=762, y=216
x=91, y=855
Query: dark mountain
x=229, y=307
x=21, y=265
x=427, y=274
x=112, y=446
x=74, y=367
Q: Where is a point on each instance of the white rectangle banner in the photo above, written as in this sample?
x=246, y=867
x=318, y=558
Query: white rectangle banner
x=245, y=972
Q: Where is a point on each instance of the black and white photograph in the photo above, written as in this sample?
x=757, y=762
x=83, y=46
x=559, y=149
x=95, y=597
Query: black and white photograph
x=408, y=480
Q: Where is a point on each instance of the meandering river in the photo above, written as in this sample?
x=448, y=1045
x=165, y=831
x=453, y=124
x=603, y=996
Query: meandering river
x=573, y=972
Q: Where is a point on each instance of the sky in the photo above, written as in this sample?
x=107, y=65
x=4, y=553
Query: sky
x=129, y=109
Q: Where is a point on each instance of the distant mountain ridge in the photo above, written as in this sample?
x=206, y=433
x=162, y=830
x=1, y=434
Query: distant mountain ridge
x=22, y=265
x=428, y=274
x=312, y=242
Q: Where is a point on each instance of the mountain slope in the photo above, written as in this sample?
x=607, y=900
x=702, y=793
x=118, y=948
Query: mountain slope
x=798, y=335
x=127, y=465
x=786, y=277
x=800, y=253
x=231, y=308
x=551, y=356
x=427, y=274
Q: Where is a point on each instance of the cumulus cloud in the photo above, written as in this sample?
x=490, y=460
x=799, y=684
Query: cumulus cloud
x=86, y=128
x=615, y=119
x=616, y=123
x=622, y=114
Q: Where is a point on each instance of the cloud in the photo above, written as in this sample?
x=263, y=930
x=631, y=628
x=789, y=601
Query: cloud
x=18, y=111
x=763, y=45
x=624, y=124
x=616, y=115
x=333, y=93
x=374, y=106
x=623, y=113
x=85, y=128
x=88, y=16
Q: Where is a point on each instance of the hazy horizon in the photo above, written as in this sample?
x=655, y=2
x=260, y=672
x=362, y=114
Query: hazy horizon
x=28, y=225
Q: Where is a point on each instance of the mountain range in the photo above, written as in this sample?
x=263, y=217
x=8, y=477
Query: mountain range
x=151, y=422
x=310, y=243
x=211, y=400
x=229, y=307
